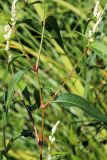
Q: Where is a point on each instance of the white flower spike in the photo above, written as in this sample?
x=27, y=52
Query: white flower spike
x=52, y=139
x=96, y=8
x=98, y=15
x=13, y=12
x=9, y=29
x=55, y=127
x=49, y=157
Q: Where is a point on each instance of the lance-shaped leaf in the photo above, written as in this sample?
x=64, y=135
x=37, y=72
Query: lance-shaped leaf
x=16, y=78
x=51, y=26
x=35, y=2
x=26, y=21
x=68, y=100
x=100, y=49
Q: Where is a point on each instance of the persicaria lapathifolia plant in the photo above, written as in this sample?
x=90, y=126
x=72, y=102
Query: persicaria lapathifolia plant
x=66, y=100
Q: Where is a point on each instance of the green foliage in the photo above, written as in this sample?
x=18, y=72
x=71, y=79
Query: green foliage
x=68, y=100
x=52, y=26
x=16, y=78
x=37, y=97
x=100, y=49
x=26, y=94
x=79, y=136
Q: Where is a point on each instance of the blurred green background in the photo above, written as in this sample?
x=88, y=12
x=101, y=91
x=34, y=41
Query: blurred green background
x=78, y=137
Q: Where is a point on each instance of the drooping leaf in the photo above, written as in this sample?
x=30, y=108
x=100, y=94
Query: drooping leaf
x=87, y=23
x=35, y=2
x=51, y=26
x=100, y=49
x=68, y=100
x=16, y=78
x=37, y=97
x=26, y=21
x=27, y=5
x=26, y=94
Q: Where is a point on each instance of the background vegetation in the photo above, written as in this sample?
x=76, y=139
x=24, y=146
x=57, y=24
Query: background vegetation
x=78, y=136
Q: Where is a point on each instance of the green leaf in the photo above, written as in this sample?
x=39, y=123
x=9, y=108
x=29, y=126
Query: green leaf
x=13, y=59
x=33, y=107
x=60, y=153
x=51, y=26
x=100, y=49
x=27, y=133
x=87, y=23
x=80, y=34
x=37, y=97
x=16, y=78
x=68, y=100
x=27, y=21
x=35, y=2
x=26, y=94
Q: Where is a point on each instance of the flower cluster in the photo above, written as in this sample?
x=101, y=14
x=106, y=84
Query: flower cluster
x=7, y=35
x=52, y=139
x=98, y=15
x=96, y=11
x=9, y=29
x=13, y=12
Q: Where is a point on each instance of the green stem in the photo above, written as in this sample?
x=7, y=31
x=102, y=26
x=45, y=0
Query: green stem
x=42, y=36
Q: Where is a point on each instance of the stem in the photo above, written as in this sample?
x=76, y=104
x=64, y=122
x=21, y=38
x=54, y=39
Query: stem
x=41, y=134
x=39, y=83
x=42, y=36
x=33, y=125
x=36, y=67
